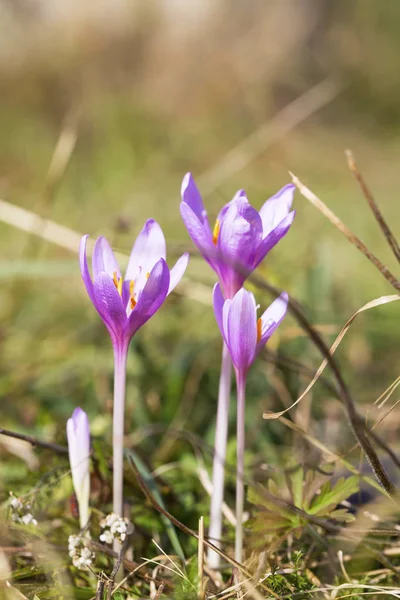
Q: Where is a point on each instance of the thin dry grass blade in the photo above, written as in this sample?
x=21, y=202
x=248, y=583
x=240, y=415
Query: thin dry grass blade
x=268, y=133
x=391, y=240
x=327, y=212
x=384, y=397
x=373, y=304
x=46, y=229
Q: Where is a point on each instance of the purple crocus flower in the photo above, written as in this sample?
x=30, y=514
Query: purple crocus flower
x=244, y=335
x=242, y=236
x=78, y=436
x=126, y=303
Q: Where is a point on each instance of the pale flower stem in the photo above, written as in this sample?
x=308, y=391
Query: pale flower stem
x=240, y=441
x=120, y=356
x=221, y=434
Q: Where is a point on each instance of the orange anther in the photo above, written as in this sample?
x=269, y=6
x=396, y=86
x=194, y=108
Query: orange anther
x=216, y=229
x=117, y=282
x=259, y=329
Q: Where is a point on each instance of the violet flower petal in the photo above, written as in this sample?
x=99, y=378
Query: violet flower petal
x=192, y=198
x=218, y=303
x=87, y=280
x=225, y=318
x=276, y=208
x=271, y=319
x=224, y=209
x=101, y=309
x=151, y=297
x=242, y=329
x=103, y=259
x=177, y=271
x=273, y=238
x=148, y=248
x=201, y=236
x=109, y=304
x=239, y=239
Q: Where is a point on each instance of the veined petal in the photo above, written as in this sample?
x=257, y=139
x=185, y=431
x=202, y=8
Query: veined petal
x=109, y=304
x=78, y=436
x=274, y=210
x=218, y=303
x=148, y=248
x=239, y=239
x=192, y=197
x=224, y=209
x=103, y=259
x=225, y=317
x=271, y=318
x=101, y=309
x=151, y=298
x=239, y=194
x=177, y=271
x=200, y=234
x=87, y=280
x=242, y=329
x=273, y=238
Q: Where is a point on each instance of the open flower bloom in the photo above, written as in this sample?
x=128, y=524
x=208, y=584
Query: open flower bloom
x=126, y=303
x=243, y=333
x=242, y=236
x=78, y=436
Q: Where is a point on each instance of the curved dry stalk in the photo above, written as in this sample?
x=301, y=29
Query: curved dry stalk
x=35, y=441
x=357, y=422
x=390, y=238
x=333, y=348
x=327, y=212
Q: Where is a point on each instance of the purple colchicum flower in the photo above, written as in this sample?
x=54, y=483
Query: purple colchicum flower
x=78, y=436
x=245, y=336
x=239, y=241
x=243, y=333
x=242, y=236
x=125, y=304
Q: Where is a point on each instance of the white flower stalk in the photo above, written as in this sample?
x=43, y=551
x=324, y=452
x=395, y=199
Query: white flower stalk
x=78, y=435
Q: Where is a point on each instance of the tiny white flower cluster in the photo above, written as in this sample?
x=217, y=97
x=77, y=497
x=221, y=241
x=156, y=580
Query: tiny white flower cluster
x=80, y=552
x=115, y=527
x=20, y=512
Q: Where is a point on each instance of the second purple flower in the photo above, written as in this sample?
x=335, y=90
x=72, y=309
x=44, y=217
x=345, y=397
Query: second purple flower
x=242, y=236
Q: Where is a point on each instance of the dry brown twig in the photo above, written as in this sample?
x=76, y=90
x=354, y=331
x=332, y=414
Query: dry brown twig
x=391, y=240
x=357, y=422
x=327, y=212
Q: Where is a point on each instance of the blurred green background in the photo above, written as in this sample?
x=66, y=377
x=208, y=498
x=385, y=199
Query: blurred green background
x=104, y=107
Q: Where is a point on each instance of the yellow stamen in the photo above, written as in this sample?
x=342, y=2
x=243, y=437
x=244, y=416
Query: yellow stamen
x=133, y=302
x=131, y=286
x=217, y=227
x=147, y=275
x=259, y=329
x=117, y=282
